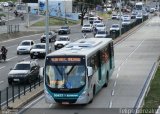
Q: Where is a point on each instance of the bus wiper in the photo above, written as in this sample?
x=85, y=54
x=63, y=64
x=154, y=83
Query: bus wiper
x=70, y=70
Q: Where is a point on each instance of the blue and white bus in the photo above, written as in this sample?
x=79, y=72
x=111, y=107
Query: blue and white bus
x=75, y=73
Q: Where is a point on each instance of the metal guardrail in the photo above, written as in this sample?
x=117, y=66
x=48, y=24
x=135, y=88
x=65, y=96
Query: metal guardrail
x=145, y=89
x=9, y=94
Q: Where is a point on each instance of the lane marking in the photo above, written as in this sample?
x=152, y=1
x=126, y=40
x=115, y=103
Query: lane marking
x=112, y=93
x=117, y=75
x=110, y=104
x=115, y=83
x=119, y=69
x=2, y=67
x=12, y=46
x=26, y=57
x=31, y=104
x=11, y=58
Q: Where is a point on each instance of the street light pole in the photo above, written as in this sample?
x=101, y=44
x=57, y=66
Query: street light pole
x=47, y=28
x=120, y=21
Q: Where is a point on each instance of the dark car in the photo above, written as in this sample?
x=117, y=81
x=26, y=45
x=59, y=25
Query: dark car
x=2, y=21
x=64, y=30
x=51, y=35
x=24, y=72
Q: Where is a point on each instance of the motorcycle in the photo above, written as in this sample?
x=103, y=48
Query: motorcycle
x=3, y=56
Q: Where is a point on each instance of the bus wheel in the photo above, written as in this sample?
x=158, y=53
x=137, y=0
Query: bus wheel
x=106, y=82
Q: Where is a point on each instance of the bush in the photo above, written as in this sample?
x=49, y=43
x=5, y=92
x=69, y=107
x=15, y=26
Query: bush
x=2, y=15
x=109, y=12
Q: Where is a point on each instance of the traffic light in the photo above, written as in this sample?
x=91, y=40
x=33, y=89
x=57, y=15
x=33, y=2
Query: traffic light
x=30, y=1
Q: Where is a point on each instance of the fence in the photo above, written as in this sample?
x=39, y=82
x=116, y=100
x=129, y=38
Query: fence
x=12, y=28
x=114, y=34
x=9, y=94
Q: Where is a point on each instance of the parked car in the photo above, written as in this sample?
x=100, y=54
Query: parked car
x=87, y=27
x=115, y=16
x=64, y=30
x=38, y=51
x=61, y=42
x=24, y=72
x=101, y=34
x=51, y=35
x=25, y=46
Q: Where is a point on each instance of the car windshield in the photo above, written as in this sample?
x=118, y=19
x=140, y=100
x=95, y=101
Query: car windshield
x=62, y=39
x=39, y=47
x=115, y=26
x=64, y=27
x=25, y=44
x=22, y=67
x=97, y=22
x=68, y=76
x=100, y=26
x=86, y=25
x=101, y=32
x=50, y=33
x=126, y=20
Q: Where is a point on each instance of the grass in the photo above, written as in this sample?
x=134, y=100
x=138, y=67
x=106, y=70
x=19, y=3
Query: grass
x=152, y=100
x=2, y=15
x=56, y=21
x=104, y=15
x=8, y=0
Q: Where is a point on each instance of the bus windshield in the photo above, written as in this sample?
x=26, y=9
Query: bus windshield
x=68, y=76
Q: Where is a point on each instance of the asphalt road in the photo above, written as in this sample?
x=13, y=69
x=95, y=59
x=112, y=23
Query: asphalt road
x=134, y=58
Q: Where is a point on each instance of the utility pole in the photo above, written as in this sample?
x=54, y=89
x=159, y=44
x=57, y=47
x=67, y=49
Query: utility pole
x=27, y=9
x=47, y=28
x=120, y=21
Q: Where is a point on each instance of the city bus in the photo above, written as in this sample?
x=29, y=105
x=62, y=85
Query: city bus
x=75, y=73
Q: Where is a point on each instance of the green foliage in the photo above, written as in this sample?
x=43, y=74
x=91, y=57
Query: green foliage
x=152, y=100
x=56, y=21
x=8, y=0
x=2, y=15
x=109, y=12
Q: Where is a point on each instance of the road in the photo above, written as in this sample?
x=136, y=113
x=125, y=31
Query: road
x=134, y=58
x=13, y=58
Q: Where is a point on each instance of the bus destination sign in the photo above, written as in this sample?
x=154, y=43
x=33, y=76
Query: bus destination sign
x=62, y=59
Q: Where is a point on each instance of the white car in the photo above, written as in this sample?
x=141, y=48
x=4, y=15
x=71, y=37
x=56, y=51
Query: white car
x=139, y=16
x=115, y=27
x=126, y=22
x=87, y=27
x=126, y=17
x=25, y=46
x=115, y=16
x=95, y=22
x=61, y=42
x=5, y=4
x=101, y=27
x=101, y=34
x=38, y=50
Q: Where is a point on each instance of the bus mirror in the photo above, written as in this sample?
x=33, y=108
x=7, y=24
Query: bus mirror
x=41, y=71
x=90, y=71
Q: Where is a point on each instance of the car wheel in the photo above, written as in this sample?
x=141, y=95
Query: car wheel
x=17, y=53
x=9, y=82
x=31, y=56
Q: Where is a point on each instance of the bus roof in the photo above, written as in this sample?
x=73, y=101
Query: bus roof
x=82, y=47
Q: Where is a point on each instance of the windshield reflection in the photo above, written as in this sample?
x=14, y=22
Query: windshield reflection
x=71, y=76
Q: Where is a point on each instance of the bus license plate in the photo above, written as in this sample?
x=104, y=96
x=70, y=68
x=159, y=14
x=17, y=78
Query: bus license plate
x=35, y=53
x=65, y=102
x=16, y=80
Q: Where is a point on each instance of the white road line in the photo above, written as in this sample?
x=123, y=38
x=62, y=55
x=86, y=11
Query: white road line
x=11, y=58
x=2, y=67
x=12, y=46
x=18, y=38
x=117, y=75
x=1, y=82
x=50, y=105
x=119, y=69
x=110, y=104
x=112, y=93
x=115, y=83
x=26, y=57
x=136, y=48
